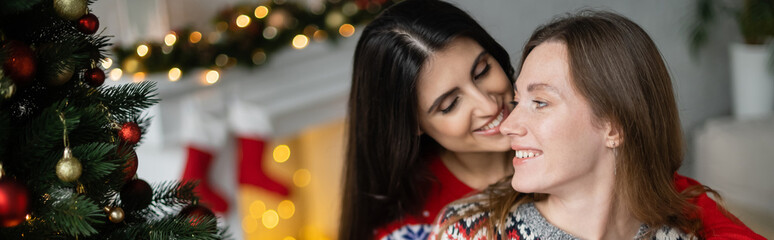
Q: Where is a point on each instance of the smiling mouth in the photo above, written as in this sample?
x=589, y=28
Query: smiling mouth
x=494, y=123
x=521, y=154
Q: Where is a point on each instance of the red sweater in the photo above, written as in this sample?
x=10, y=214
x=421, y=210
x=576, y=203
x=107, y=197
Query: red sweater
x=716, y=225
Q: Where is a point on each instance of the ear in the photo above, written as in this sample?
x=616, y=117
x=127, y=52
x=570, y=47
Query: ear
x=420, y=132
x=614, y=135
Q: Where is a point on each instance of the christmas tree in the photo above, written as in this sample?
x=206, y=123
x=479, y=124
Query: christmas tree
x=67, y=161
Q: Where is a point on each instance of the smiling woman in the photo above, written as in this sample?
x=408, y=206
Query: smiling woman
x=465, y=93
x=598, y=142
x=429, y=90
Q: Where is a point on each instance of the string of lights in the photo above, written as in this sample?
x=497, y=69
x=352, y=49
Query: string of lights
x=246, y=35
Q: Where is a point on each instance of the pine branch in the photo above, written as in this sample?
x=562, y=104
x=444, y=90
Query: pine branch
x=127, y=100
x=74, y=215
x=96, y=160
x=40, y=145
x=8, y=7
x=176, y=228
x=168, y=198
x=5, y=125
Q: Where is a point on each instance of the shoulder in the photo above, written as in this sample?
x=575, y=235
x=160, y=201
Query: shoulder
x=464, y=220
x=469, y=220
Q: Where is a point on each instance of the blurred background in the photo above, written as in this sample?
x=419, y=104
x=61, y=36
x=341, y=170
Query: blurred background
x=254, y=97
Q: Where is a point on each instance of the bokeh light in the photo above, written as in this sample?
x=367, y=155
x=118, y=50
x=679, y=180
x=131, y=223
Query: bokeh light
x=281, y=153
x=270, y=219
x=174, y=74
x=302, y=177
x=300, y=41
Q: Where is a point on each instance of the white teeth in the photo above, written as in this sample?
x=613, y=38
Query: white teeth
x=526, y=154
x=494, y=123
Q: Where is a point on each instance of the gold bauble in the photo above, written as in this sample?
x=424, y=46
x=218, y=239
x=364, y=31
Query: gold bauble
x=70, y=9
x=7, y=89
x=69, y=168
x=8, y=92
x=115, y=214
x=61, y=77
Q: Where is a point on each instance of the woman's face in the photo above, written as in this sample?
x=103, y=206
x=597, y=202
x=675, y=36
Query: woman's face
x=463, y=94
x=559, y=143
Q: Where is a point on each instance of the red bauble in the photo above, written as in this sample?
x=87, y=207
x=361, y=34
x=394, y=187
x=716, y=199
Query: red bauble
x=95, y=77
x=88, y=24
x=130, y=167
x=130, y=133
x=194, y=214
x=20, y=64
x=14, y=201
x=135, y=195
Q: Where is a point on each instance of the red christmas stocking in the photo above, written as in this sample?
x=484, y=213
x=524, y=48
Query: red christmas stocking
x=251, y=171
x=196, y=168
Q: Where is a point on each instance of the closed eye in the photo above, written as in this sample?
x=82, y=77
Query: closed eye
x=483, y=72
x=451, y=106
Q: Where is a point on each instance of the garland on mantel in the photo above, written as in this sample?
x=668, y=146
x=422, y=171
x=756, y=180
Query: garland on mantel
x=245, y=35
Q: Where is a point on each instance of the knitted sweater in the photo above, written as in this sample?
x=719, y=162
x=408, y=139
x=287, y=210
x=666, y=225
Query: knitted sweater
x=525, y=222
x=717, y=226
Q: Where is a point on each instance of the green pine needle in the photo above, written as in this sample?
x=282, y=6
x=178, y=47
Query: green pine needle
x=127, y=100
x=14, y=6
x=97, y=161
x=74, y=215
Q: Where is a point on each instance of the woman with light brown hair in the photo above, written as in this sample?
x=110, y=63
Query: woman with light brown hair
x=597, y=141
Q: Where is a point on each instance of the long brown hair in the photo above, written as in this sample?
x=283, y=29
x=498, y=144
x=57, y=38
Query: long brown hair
x=616, y=66
x=385, y=175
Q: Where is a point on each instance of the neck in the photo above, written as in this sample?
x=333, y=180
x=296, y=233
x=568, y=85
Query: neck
x=477, y=170
x=589, y=210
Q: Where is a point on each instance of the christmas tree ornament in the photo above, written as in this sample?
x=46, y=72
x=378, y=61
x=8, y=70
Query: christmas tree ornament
x=130, y=166
x=136, y=194
x=69, y=168
x=14, y=201
x=130, y=133
x=195, y=214
x=70, y=9
x=88, y=24
x=62, y=77
x=80, y=189
x=20, y=65
x=7, y=92
x=95, y=77
x=114, y=214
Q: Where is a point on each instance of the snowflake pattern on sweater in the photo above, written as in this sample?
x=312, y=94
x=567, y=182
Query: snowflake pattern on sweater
x=523, y=223
x=410, y=232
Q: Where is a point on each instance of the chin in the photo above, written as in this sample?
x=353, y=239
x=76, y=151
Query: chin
x=523, y=186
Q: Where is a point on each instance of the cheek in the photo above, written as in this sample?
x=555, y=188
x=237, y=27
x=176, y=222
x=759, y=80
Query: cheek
x=449, y=127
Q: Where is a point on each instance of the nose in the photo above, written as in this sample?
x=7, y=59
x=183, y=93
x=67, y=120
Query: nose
x=512, y=125
x=487, y=105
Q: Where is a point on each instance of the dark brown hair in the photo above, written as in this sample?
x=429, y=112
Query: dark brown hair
x=385, y=177
x=615, y=65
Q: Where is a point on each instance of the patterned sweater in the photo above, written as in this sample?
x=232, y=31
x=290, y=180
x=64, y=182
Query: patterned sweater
x=418, y=227
x=523, y=223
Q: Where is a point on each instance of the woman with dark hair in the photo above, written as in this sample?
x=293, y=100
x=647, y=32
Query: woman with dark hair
x=597, y=141
x=429, y=89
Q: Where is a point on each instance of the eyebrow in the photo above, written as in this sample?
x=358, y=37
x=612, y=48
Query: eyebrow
x=441, y=98
x=478, y=58
x=538, y=86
